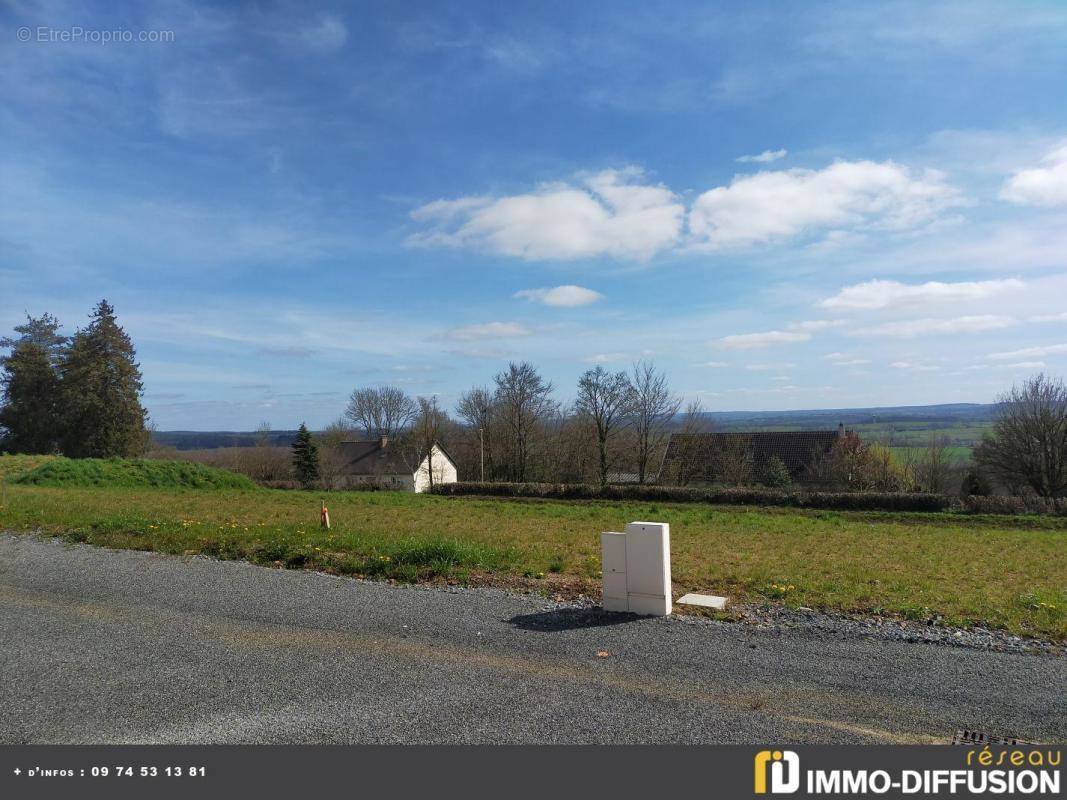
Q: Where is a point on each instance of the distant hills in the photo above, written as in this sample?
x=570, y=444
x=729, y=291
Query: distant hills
x=973, y=416
x=945, y=414
x=209, y=440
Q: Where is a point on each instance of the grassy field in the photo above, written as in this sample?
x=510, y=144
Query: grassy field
x=955, y=453
x=1005, y=572
x=124, y=473
x=12, y=467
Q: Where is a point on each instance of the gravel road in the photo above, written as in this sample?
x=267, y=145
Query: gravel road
x=100, y=646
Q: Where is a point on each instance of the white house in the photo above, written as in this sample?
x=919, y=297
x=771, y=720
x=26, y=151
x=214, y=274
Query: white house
x=384, y=465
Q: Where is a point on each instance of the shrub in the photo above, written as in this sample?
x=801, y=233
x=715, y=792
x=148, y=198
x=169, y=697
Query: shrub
x=976, y=483
x=999, y=504
x=776, y=473
x=836, y=501
x=866, y=501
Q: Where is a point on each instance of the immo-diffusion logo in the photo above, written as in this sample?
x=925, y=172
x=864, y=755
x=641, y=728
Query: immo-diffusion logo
x=1030, y=770
x=784, y=766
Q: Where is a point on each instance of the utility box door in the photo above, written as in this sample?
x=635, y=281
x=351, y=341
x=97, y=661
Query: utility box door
x=613, y=552
x=648, y=565
x=613, y=569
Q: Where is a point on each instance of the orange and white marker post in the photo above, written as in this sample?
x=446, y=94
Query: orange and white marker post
x=324, y=517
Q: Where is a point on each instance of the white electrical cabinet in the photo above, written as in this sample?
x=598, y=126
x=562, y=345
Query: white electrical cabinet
x=636, y=567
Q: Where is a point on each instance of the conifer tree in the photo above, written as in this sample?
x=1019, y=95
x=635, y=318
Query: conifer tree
x=42, y=331
x=306, y=458
x=28, y=413
x=101, y=391
x=29, y=401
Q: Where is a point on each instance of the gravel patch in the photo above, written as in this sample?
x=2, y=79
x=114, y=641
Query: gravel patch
x=113, y=646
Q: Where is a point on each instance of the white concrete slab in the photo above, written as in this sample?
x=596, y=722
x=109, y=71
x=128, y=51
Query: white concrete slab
x=704, y=600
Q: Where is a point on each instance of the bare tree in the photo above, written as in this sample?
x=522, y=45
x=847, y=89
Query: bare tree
x=605, y=401
x=733, y=460
x=847, y=465
x=691, y=451
x=340, y=430
x=331, y=461
x=381, y=411
x=523, y=398
x=654, y=408
x=570, y=449
x=887, y=474
x=934, y=465
x=1028, y=444
x=263, y=431
x=476, y=408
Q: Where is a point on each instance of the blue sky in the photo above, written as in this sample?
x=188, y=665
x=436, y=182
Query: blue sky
x=783, y=205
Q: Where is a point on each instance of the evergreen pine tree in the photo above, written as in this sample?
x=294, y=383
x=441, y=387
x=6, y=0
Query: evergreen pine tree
x=28, y=413
x=30, y=387
x=101, y=391
x=306, y=458
x=42, y=331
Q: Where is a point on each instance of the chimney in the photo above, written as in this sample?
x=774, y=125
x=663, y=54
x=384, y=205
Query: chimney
x=840, y=429
x=383, y=442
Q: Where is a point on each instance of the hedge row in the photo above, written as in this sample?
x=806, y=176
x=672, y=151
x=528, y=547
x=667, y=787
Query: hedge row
x=843, y=501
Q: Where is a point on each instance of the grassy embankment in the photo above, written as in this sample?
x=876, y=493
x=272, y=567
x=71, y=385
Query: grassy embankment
x=1005, y=572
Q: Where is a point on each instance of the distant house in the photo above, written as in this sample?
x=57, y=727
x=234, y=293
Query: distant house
x=382, y=464
x=704, y=458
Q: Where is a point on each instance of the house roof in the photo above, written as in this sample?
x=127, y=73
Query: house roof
x=699, y=453
x=372, y=457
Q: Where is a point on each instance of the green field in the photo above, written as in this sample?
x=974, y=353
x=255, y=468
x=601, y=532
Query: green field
x=124, y=473
x=1005, y=572
x=912, y=435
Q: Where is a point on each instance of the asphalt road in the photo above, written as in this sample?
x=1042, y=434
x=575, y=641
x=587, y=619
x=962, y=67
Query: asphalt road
x=98, y=646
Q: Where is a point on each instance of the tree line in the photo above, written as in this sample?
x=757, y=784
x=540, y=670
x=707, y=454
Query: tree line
x=81, y=395
x=619, y=423
x=515, y=430
x=77, y=395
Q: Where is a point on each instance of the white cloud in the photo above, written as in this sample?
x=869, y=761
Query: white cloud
x=759, y=208
x=488, y=330
x=763, y=158
x=610, y=213
x=923, y=327
x=1024, y=365
x=1061, y=317
x=605, y=358
x=845, y=360
x=1032, y=352
x=714, y=364
x=816, y=324
x=768, y=367
x=912, y=366
x=617, y=213
x=750, y=341
x=1040, y=186
x=1016, y=365
x=878, y=294
x=567, y=296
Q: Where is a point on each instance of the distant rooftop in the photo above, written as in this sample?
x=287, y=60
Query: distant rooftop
x=700, y=451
